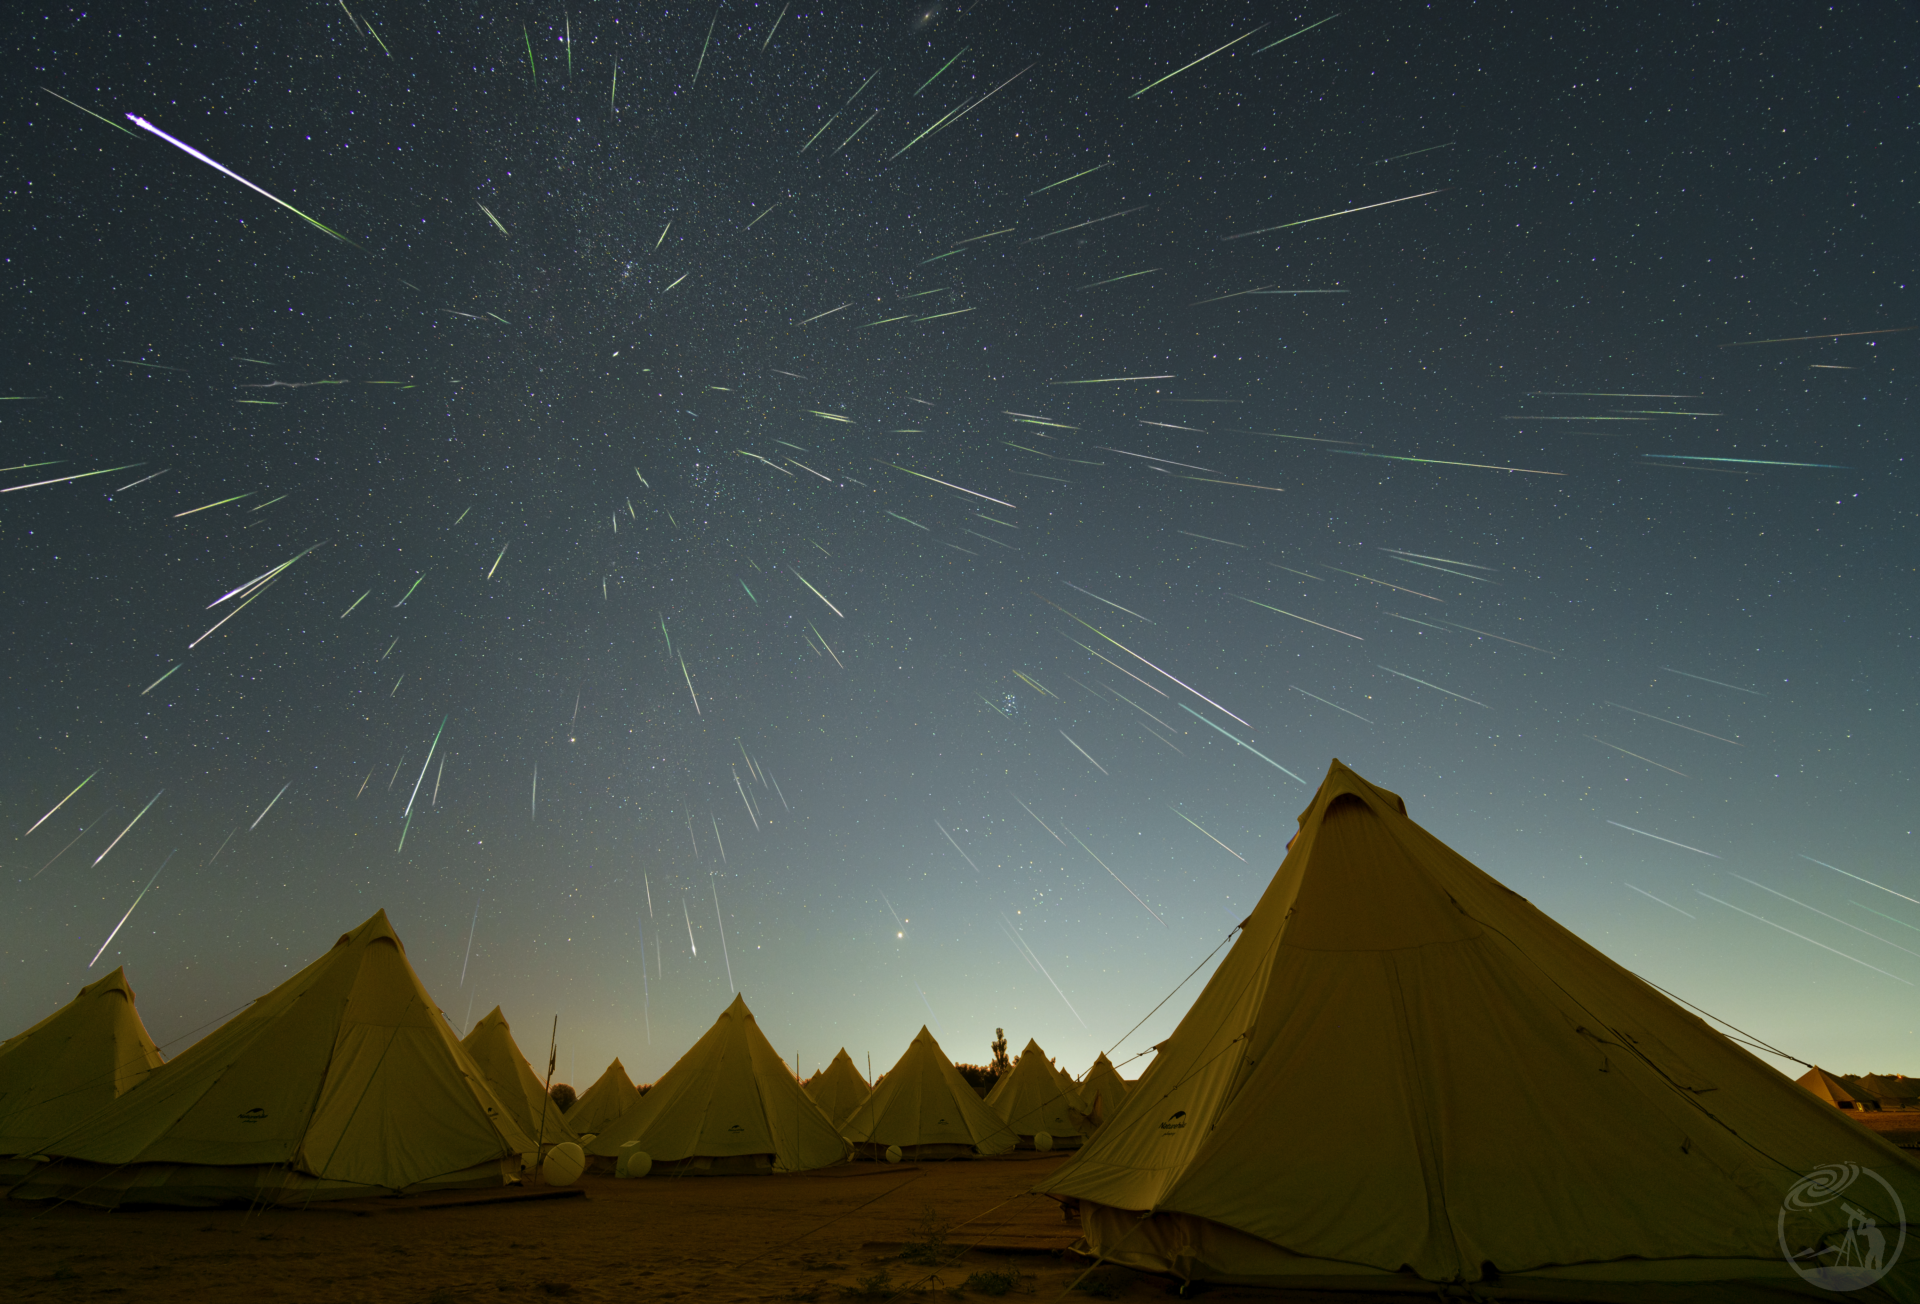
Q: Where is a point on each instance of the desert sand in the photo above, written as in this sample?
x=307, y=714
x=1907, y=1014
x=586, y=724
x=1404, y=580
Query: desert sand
x=860, y=1231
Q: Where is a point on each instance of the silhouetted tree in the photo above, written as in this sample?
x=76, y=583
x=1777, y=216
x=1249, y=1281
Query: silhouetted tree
x=563, y=1096
x=1001, y=1064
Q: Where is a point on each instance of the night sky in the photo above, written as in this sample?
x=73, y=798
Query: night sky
x=716, y=448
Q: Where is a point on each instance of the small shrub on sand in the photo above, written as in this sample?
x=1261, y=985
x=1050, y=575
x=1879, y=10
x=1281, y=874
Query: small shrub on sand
x=929, y=1247
x=878, y=1286
x=993, y=1283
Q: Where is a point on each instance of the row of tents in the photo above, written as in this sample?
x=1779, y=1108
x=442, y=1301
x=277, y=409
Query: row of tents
x=347, y=1080
x=1537, y=1123
x=1863, y=1093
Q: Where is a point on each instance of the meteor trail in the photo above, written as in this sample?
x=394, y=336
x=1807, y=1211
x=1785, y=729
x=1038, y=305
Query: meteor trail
x=1324, y=702
x=429, y=761
x=956, y=846
x=83, y=833
x=1342, y=213
x=1869, y=882
x=1651, y=897
x=1717, y=683
x=76, y=787
x=1823, y=914
x=720, y=924
x=1795, y=339
x=1303, y=619
x=14, y=488
x=1097, y=598
x=1083, y=751
x=1223, y=846
x=130, y=909
x=276, y=797
x=816, y=593
x=1116, y=878
x=144, y=125
x=1435, y=687
x=1202, y=59
x=898, y=467
x=1037, y=820
x=1675, y=723
x=1256, y=751
x=1657, y=838
x=470, y=931
x=123, y=832
x=1638, y=757
x=1803, y=937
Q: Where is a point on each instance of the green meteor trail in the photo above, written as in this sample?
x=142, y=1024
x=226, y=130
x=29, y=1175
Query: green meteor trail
x=222, y=503
x=923, y=85
x=703, y=49
x=89, y=112
x=356, y=602
x=1063, y=180
x=1111, y=279
x=1203, y=58
x=84, y=782
x=409, y=593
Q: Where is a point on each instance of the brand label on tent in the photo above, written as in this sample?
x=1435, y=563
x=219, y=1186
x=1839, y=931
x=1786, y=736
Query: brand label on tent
x=254, y=1115
x=1175, y=1122
x=1856, y=1208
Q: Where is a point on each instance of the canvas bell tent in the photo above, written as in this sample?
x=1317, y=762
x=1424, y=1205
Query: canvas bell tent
x=926, y=1108
x=345, y=1080
x=729, y=1105
x=1538, y=1119
x=513, y=1080
x=1036, y=1098
x=611, y=1095
x=75, y=1062
x=838, y=1088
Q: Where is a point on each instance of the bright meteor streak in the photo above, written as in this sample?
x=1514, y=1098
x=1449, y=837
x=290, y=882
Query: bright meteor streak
x=144, y=125
x=76, y=788
x=1324, y=216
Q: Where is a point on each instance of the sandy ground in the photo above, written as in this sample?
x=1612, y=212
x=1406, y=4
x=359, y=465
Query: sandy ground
x=843, y=1234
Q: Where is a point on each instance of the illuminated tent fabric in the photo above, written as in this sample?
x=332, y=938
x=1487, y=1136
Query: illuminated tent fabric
x=1035, y=1097
x=513, y=1080
x=611, y=1095
x=1537, y=1119
x=345, y=1080
x=1825, y=1086
x=926, y=1108
x=70, y=1065
x=729, y=1105
x=1104, y=1083
x=838, y=1088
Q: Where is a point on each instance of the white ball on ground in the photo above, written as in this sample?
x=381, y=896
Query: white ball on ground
x=893, y=1154
x=635, y=1163
x=1043, y=1140
x=565, y=1163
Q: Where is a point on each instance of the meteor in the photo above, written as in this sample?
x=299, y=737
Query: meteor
x=76, y=788
x=130, y=909
x=1324, y=216
x=276, y=797
x=144, y=125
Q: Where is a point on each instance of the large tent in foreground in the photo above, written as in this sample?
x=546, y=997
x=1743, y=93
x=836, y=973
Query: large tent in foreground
x=1542, y=1124
x=838, y=1088
x=1036, y=1097
x=926, y=1108
x=729, y=1105
x=611, y=1095
x=345, y=1080
x=513, y=1080
x=72, y=1064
